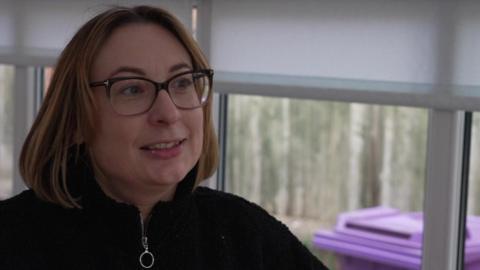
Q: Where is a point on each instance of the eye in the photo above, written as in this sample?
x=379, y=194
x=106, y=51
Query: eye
x=181, y=83
x=131, y=90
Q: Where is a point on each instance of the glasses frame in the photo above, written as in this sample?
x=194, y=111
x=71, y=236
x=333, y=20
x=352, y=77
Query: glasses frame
x=159, y=86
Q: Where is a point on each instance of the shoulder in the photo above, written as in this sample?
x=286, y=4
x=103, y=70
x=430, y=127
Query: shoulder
x=26, y=204
x=205, y=195
x=27, y=208
x=31, y=230
x=26, y=216
x=240, y=219
x=231, y=205
x=17, y=220
x=240, y=216
x=21, y=212
x=17, y=205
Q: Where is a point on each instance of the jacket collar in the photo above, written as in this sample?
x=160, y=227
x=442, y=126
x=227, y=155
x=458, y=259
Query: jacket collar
x=121, y=221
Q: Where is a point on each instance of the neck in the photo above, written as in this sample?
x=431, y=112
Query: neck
x=143, y=198
x=145, y=204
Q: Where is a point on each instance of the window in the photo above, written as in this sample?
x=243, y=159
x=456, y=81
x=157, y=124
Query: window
x=6, y=130
x=474, y=177
x=308, y=161
x=391, y=53
x=472, y=232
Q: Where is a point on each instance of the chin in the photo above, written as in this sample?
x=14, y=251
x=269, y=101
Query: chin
x=170, y=175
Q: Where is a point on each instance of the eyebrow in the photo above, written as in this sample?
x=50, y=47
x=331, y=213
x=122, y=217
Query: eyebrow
x=135, y=70
x=141, y=72
x=179, y=66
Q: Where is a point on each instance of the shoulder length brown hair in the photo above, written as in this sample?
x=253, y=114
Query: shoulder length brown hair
x=66, y=117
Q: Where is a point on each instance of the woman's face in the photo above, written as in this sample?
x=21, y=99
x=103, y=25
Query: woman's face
x=152, y=151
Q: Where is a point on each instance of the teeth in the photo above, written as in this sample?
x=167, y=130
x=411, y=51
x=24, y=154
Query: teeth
x=163, y=145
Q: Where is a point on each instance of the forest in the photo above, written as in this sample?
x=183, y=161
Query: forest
x=6, y=130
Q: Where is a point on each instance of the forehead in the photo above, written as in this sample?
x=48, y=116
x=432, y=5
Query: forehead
x=147, y=46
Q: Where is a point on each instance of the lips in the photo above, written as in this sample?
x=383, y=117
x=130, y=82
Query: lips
x=162, y=145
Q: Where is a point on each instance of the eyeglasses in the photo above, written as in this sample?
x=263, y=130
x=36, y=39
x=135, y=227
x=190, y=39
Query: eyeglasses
x=136, y=95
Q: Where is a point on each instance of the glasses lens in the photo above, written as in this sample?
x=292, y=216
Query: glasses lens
x=189, y=90
x=132, y=96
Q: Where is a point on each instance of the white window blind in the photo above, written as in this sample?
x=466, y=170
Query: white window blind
x=467, y=43
x=409, y=53
x=34, y=32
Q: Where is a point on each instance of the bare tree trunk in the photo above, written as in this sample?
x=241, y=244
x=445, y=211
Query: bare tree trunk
x=370, y=191
x=357, y=116
x=284, y=197
x=6, y=162
x=406, y=182
x=310, y=169
x=386, y=173
x=234, y=153
x=256, y=154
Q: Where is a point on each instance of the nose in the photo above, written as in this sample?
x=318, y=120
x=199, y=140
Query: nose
x=163, y=110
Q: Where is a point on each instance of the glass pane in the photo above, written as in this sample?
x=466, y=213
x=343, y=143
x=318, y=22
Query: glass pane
x=6, y=130
x=472, y=241
x=307, y=161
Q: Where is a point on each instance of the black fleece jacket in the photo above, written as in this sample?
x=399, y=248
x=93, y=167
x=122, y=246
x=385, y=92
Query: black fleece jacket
x=203, y=229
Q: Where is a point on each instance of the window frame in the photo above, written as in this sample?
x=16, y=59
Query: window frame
x=443, y=192
x=443, y=195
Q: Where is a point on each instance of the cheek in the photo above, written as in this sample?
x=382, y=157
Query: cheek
x=113, y=137
x=112, y=150
x=111, y=127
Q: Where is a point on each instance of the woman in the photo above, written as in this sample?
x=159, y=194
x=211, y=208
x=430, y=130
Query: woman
x=115, y=155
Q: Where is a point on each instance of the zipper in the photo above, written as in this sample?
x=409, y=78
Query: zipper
x=146, y=258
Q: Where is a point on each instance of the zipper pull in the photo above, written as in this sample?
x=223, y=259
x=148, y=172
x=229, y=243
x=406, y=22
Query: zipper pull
x=146, y=258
